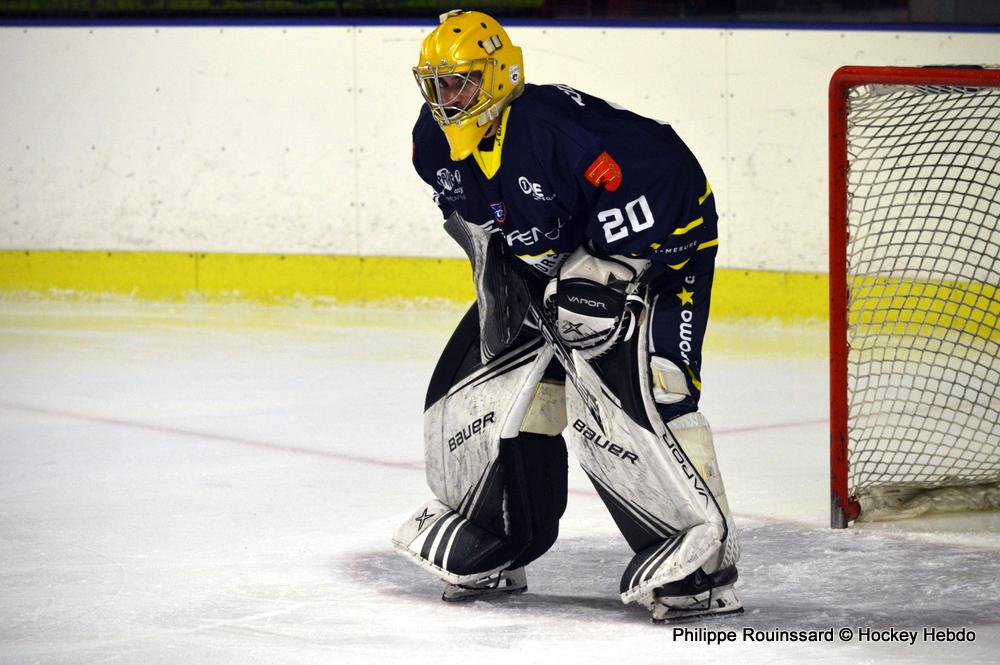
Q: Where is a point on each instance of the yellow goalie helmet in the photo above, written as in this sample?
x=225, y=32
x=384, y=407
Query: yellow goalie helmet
x=468, y=72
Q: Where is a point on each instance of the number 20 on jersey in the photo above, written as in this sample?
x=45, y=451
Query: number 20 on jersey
x=640, y=218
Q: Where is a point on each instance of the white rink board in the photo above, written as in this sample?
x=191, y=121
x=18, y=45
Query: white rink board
x=778, y=142
x=183, y=139
x=296, y=139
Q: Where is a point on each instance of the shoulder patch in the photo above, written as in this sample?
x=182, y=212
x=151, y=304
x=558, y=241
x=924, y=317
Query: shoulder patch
x=604, y=172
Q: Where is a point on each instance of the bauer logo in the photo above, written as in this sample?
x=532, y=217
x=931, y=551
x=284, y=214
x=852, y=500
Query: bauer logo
x=602, y=443
x=469, y=431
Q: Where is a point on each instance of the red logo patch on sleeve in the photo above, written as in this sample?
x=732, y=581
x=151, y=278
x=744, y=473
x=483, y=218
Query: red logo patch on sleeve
x=604, y=172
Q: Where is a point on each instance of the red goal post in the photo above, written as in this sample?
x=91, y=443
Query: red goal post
x=928, y=290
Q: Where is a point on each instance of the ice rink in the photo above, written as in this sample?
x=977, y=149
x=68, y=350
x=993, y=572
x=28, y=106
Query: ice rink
x=217, y=483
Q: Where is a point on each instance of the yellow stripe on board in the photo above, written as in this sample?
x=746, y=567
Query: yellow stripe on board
x=349, y=279
x=781, y=296
x=927, y=308
x=254, y=277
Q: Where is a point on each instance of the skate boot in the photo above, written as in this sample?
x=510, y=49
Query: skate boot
x=505, y=582
x=697, y=595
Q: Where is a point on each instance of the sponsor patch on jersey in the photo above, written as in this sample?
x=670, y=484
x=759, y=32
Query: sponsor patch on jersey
x=534, y=190
x=450, y=180
x=499, y=212
x=604, y=172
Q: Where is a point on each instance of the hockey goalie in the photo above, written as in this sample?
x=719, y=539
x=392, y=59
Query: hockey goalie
x=592, y=234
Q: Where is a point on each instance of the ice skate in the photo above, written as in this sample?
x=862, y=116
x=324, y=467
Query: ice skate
x=698, y=595
x=499, y=584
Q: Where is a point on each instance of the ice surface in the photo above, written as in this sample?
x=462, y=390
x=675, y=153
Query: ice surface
x=218, y=483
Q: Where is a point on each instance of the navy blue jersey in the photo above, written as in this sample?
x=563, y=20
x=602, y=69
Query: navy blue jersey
x=566, y=167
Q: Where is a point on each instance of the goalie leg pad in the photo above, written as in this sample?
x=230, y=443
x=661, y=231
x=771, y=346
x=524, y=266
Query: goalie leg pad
x=530, y=483
x=665, y=507
x=499, y=492
x=451, y=546
x=694, y=434
x=709, y=590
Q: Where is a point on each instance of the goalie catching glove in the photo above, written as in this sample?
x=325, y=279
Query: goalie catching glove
x=590, y=300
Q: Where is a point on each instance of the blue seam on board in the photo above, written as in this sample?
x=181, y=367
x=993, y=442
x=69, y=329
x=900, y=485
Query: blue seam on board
x=528, y=23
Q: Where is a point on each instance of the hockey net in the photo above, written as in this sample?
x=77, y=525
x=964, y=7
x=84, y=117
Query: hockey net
x=914, y=276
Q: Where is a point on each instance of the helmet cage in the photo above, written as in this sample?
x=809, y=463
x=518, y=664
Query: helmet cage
x=429, y=78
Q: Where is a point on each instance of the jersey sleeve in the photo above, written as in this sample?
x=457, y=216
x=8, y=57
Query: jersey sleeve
x=423, y=141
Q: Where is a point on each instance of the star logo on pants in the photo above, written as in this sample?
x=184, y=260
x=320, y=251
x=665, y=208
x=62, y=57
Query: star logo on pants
x=686, y=297
x=422, y=517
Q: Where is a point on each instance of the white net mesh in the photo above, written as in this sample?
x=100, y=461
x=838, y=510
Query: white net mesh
x=923, y=274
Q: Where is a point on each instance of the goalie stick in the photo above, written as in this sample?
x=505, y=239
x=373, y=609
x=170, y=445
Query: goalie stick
x=565, y=356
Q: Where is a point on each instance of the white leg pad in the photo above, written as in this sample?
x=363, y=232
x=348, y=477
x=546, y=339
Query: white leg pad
x=648, y=470
x=695, y=436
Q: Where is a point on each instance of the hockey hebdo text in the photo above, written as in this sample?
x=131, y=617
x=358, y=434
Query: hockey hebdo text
x=861, y=635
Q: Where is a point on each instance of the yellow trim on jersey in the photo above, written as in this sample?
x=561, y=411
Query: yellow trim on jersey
x=708, y=192
x=678, y=266
x=694, y=379
x=706, y=245
x=693, y=225
x=489, y=160
x=535, y=256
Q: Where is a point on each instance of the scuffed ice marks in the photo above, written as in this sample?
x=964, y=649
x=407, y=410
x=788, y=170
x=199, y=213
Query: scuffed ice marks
x=562, y=598
x=790, y=577
x=817, y=578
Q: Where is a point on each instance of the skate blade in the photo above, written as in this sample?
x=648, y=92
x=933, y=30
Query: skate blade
x=460, y=595
x=682, y=616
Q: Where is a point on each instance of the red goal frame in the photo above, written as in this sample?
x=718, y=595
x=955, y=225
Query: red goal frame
x=844, y=508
